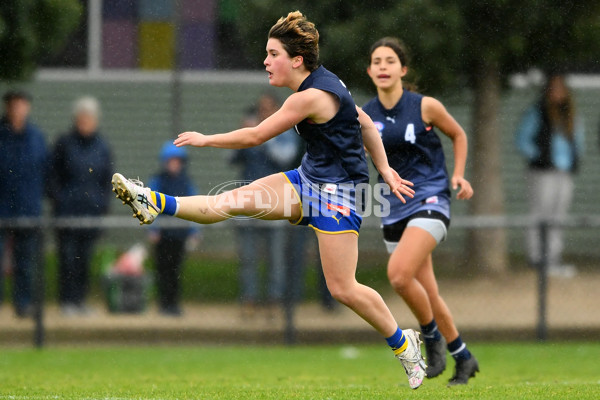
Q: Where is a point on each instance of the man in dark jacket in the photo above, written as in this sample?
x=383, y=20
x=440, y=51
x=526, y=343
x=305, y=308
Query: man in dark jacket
x=22, y=173
x=79, y=185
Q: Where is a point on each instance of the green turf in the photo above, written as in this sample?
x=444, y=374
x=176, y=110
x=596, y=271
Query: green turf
x=523, y=371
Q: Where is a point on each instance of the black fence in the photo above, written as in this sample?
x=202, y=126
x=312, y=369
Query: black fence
x=44, y=224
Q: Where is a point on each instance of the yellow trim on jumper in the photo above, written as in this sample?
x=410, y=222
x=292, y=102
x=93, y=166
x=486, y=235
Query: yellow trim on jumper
x=299, y=200
x=334, y=233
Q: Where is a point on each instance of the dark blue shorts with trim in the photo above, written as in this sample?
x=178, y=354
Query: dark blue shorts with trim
x=323, y=207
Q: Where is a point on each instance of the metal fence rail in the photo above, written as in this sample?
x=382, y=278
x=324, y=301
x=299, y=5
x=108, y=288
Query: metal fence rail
x=465, y=222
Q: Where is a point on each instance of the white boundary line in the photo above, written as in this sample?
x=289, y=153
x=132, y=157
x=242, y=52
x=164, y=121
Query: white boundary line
x=58, y=397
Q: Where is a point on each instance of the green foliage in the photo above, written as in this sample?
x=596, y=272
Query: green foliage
x=449, y=41
x=518, y=35
x=209, y=280
x=508, y=371
x=30, y=29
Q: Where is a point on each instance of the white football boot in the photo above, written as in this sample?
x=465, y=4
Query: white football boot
x=135, y=195
x=412, y=360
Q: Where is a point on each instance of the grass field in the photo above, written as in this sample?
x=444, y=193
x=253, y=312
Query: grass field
x=508, y=371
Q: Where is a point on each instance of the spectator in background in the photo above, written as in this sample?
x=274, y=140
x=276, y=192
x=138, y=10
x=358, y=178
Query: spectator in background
x=170, y=244
x=22, y=171
x=281, y=153
x=551, y=138
x=79, y=186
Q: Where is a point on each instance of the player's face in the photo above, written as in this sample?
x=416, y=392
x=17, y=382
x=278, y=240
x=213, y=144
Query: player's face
x=385, y=69
x=277, y=63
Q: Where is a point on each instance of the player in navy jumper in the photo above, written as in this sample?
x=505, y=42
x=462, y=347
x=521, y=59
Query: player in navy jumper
x=320, y=193
x=411, y=231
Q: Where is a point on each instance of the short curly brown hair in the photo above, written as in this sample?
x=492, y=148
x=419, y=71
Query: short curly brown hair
x=299, y=37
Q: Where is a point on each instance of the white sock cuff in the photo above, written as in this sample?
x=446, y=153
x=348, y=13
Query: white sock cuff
x=461, y=348
x=432, y=333
x=177, y=206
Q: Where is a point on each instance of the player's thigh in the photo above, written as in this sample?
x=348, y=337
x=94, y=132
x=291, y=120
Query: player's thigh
x=415, y=245
x=339, y=256
x=275, y=196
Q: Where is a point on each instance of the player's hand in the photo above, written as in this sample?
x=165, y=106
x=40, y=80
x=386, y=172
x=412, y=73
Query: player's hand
x=190, y=139
x=397, y=185
x=465, y=191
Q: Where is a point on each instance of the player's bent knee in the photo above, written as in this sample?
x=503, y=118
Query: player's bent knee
x=342, y=293
x=398, y=281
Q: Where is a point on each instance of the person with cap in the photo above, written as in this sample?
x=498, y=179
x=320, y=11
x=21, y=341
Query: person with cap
x=22, y=173
x=80, y=167
x=170, y=244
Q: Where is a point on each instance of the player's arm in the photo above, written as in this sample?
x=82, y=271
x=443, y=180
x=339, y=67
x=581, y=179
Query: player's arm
x=294, y=109
x=434, y=113
x=374, y=146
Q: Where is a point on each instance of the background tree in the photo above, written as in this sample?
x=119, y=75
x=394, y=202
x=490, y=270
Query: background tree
x=32, y=29
x=458, y=44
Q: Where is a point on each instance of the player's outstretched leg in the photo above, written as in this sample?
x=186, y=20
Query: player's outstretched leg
x=412, y=360
x=135, y=195
x=464, y=370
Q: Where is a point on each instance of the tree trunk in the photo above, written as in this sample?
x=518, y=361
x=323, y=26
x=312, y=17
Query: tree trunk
x=487, y=250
